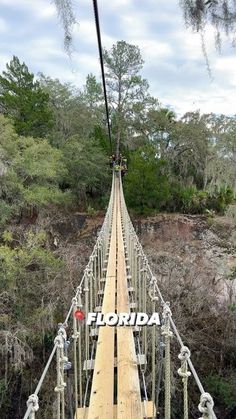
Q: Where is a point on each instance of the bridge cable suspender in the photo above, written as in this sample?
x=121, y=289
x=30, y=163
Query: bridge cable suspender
x=92, y=274
x=95, y=6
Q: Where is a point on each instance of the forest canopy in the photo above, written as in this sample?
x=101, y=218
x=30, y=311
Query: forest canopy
x=54, y=147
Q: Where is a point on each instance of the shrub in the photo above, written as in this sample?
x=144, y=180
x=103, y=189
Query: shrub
x=224, y=390
x=5, y=213
x=221, y=199
x=149, y=188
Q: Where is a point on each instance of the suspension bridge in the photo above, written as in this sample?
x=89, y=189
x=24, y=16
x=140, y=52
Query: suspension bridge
x=117, y=372
x=123, y=372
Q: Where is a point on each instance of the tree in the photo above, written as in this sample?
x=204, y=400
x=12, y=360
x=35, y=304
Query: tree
x=125, y=86
x=189, y=149
x=75, y=112
x=63, y=103
x=182, y=143
x=157, y=125
x=86, y=163
x=146, y=186
x=93, y=93
x=23, y=100
x=220, y=168
x=30, y=277
x=32, y=173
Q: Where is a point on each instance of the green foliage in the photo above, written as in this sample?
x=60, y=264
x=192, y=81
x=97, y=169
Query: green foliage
x=232, y=274
x=149, y=187
x=126, y=88
x=123, y=59
x=224, y=390
x=38, y=161
x=146, y=185
x=6, y=211
x=23, y=100
x=93, y=94
x=74, y=112
x=90, y=210
x=32, y=172
x=11, y=188
x=101, y=138
x=193, y=201
x=220, y=199
x=182, y=165
x=65, y=108
x=38, y=196
x=23, y=272
x=7, y=236
x=188, y=199
x=86, y=164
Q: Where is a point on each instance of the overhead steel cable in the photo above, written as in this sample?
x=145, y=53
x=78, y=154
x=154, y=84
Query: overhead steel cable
x=96, y=15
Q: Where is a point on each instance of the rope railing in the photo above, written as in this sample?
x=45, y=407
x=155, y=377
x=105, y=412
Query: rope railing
x=85, y=296
x=146, y=284
x=153, y=344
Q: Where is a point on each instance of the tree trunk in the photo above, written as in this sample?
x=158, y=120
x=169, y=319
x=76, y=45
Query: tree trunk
x=118, y=120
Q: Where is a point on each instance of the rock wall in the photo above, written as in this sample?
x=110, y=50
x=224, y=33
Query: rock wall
x=177, y=244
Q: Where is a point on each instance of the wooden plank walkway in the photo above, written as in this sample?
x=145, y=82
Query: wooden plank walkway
x=128, y=393
x=104, y=385
x=147, y=411
x=102, y=392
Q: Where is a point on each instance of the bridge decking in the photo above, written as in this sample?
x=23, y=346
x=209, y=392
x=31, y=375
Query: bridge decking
x=116, y=298
x=102, y=392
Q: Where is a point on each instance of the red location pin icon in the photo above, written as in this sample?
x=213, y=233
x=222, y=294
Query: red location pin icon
x=79, y=315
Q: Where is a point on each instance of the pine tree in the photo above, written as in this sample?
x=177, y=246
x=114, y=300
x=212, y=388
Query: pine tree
x=23, y=100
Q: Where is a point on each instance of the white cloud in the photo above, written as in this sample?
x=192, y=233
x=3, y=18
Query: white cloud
x=152, y=50
x=85, y=31
x=3, y=25
x=207, y=102
x=174, y=62
x=44, y=48
x=87, y=63
x=4, y=58
x=47, y=12
x=225, y=67
x=40, y=8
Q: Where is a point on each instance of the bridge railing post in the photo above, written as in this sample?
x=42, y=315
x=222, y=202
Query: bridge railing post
x=183, y=372
x=33, y=405
x=61, y=359
x=167, y=333
x=206, y=406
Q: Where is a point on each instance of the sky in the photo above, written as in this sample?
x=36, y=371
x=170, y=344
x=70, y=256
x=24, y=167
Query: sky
x=174, y=62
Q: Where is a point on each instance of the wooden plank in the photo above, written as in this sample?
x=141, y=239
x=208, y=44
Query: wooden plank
x=147, y=411
x=102, y=392
x=89, y=364
x=129, y=403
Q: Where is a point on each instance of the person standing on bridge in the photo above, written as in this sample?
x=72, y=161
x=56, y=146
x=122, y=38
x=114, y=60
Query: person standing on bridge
x=123, y=168
x=112, y=161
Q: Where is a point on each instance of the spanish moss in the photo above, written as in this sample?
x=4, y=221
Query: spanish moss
x=221, y=15
x=67, y=18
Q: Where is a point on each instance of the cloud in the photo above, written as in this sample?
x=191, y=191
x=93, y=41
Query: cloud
x=174, y=63
x=41, y=7
x=3, y=25
x=4, y=58
x=225, y=68
x=47, y=12
x=44, y=48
